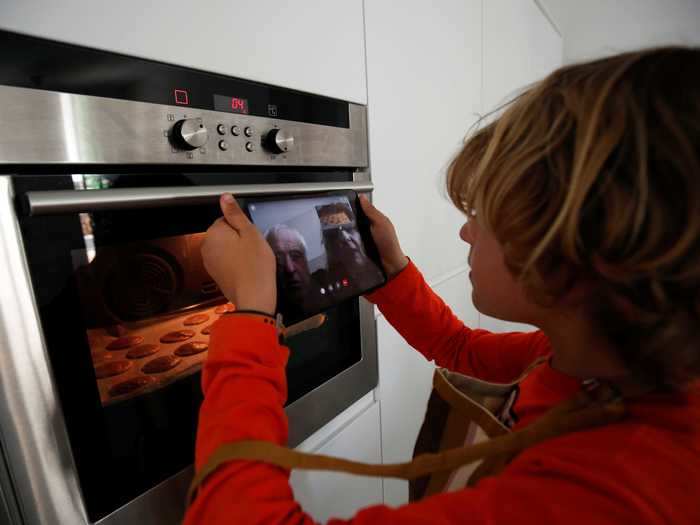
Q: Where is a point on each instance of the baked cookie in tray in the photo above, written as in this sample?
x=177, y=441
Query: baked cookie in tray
x=144, y=356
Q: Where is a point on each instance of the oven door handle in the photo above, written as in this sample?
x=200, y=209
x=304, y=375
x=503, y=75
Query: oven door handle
x=76, y=201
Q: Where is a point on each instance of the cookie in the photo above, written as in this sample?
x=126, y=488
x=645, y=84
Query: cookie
x=192, y=348
x=196, y=319
x=178, y=336
x=161, y=364
x=100, y=357
x=142, y=351
x=112, y=368
x=130, y=385
x=224, y=308
x=122, y=343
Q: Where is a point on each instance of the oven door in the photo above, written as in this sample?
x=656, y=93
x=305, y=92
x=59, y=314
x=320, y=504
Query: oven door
x=124, y=305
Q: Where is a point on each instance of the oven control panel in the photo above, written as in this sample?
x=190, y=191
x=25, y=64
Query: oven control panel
x=191, y=133
x=241, y=139
x=84, y=129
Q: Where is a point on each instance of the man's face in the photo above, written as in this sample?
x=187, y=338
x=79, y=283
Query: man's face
x=292, y=266
x=347, y=246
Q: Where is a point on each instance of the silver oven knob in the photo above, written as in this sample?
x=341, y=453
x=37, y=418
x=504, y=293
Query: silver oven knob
x=189, y=133
x=278, y=141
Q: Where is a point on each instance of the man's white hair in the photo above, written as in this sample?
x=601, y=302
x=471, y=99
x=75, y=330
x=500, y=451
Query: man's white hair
x=273, y=231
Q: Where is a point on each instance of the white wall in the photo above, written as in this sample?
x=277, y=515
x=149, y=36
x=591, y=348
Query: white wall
x=594, y=28
x=520, y=47
x=423, y=67
x=314, y=45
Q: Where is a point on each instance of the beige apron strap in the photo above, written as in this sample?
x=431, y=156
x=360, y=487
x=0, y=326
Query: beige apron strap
x=478, y=413
x=494, y=464
x=575, y=414
x=467, y=407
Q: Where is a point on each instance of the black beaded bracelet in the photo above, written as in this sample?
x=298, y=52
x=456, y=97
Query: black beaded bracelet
x=273, y=320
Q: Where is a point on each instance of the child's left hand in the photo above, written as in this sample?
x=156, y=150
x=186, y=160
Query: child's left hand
x=240, y=260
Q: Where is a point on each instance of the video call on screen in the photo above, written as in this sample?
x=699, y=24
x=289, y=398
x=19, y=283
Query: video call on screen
x=321, y=258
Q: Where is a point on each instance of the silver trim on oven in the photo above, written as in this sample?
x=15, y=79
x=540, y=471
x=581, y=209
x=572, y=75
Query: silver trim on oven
x=72, y=201
x=34, y=436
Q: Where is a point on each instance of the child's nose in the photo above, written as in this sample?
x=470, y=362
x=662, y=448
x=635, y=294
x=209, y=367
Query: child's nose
x=466, y=233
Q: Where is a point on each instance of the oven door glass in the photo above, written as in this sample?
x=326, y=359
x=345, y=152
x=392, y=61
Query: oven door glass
x=126, y=307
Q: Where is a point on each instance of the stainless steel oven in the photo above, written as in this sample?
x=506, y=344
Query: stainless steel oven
x=110, y=170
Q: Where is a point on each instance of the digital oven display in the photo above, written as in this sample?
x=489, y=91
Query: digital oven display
x=231, y=104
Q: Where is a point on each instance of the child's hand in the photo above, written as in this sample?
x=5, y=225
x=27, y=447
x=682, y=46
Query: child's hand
x=240, y=260
x=384, y=234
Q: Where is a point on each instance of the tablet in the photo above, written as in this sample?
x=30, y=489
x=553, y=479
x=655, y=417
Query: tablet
x=324, y=250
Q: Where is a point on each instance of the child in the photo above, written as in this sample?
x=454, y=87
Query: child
x=583, y=207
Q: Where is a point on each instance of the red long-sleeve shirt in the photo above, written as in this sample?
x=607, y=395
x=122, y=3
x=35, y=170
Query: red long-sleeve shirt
x=645, y=470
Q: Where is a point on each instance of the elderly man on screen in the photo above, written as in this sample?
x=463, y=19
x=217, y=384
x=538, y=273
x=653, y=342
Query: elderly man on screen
x=297, y=291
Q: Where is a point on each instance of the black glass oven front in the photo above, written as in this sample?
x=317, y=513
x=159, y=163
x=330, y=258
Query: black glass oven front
x=120, y=290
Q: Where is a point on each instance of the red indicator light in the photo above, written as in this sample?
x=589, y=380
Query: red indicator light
x=239, y=105
x=182, y=97
x=231, y=104
x=345, y=282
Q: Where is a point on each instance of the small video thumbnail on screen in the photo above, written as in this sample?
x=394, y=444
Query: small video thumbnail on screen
x=321, y=257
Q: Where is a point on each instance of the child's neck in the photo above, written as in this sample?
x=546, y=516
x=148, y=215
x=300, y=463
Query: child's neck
x=578, y=352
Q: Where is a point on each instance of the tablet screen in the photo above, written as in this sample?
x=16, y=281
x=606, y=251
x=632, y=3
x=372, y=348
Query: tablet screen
x=323, y=253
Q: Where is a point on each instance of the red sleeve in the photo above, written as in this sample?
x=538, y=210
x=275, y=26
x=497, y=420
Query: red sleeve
x=429, y=326
x=245, y=390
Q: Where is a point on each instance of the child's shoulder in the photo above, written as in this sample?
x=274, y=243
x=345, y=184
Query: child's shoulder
x=636, y=468
x=660, y=436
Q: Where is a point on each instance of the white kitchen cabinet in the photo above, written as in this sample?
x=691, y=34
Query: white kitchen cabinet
x=520, y=47
x=315, y=46
x=405, y=381
x=328, y=494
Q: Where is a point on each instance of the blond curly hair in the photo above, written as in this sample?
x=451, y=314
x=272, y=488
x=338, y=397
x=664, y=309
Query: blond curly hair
x=594, y=173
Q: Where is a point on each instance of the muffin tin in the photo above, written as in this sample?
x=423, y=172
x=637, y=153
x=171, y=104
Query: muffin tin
x=144, y=356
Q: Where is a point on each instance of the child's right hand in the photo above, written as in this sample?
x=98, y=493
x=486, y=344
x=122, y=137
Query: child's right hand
x=384, y=234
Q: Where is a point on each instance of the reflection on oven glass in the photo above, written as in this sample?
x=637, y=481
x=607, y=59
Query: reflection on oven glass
x=148, y=308
x=89, y=182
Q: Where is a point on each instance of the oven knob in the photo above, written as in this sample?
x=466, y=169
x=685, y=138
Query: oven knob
x=189, y=133
x=278, y=141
